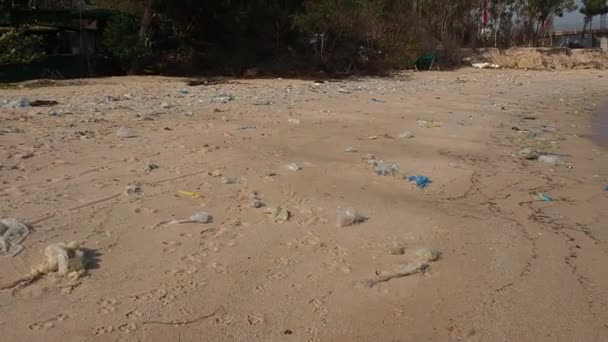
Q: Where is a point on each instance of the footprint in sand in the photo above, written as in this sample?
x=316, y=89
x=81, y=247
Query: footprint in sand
x=275, y=276
x=171, y=246
x=186, y=285
x=208, y=233
x=219, y=268
x=148, y=296
x=261, y=288
x=106, y=305
x=223, y=320
x=49, y=323
x=181, y=272
x=103, y=330
x=135, y=314
x=127, y=328
x=283, y=261
x=317, y=305
x=193, y=258
x=255, y=319
x=336, y=265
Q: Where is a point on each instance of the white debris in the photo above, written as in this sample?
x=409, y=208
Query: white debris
x=406, y=135
x=485, y=66
x=12, y=232
x=293, y=167
x=123, y=132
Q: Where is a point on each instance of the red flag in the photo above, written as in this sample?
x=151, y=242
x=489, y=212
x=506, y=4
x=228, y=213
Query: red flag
x=485, y=18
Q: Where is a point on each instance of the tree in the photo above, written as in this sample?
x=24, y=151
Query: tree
x=18, y=47
x=537, y=15
x=590, y=9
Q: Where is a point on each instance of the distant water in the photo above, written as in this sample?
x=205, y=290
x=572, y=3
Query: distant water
x=599, y=124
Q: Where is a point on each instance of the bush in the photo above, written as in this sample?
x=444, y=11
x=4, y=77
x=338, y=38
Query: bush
x=121, y=39
x=17, y=47
x=359, y=34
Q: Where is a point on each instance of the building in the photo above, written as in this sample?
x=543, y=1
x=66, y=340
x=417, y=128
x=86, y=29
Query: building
x=71, y=39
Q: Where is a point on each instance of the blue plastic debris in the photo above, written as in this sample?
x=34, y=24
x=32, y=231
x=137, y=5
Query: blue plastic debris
x=420, y=181
x=14, y=104
x=544, y=197
x=184, y=91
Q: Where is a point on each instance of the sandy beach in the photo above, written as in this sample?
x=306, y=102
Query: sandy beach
x=515, y=214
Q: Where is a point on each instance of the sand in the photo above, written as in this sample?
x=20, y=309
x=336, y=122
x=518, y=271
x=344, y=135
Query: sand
x=512, y=268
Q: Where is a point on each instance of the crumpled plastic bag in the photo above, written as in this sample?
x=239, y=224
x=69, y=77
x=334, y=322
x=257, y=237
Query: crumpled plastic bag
x=12, y=232
x=348, y=217
x=63, y=259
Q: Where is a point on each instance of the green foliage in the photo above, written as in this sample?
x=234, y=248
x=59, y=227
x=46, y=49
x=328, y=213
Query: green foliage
x=592, y=8
x=121, y=39
x=16, y=46
x=376, y=34
x=329, y=34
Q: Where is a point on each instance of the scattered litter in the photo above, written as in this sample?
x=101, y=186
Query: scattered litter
x=350, y=149
x=427, y=255
x=165, y=105
x=215, y=173
x=262, y=103
x=14, y=104
x=369, y=158
x=379, y=100
x=64, y=259
x=606, y=188
x=205, y=82
x=12, y=232
x=543, y=197
x=385, y=169
x=150, y=166
x=293, y=167
x=255, y=201
x=124, y=133
x=43, y=103
x=183, y=91
x=528, y=153
x=200, y=217
x=9, y=130
x=429, y=124
x=191, y=194
x=403, y=271
x=134, y=189
x=550, y=159
x=67, y=260
x=485, y=66
x=223, y=98
x=294, y=121
x=344, y=91
x=373, y=137
x=420, y=181
x=349, y=217
x=406, y=135
x=228, y=180
x=246, y=128
x=278, y=214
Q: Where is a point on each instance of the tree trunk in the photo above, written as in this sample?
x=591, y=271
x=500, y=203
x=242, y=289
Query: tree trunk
x=144, y=26
x=585, y=22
